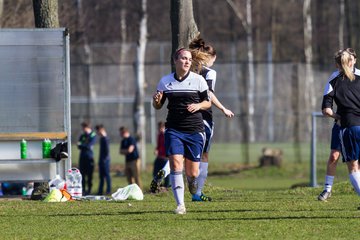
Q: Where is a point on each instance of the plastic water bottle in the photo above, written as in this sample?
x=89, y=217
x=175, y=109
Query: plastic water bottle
x=73, y=182
x=57, y=183
x=23, y=149
x=23, y=191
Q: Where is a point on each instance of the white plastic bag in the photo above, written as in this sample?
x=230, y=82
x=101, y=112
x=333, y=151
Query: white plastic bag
x=131, y=191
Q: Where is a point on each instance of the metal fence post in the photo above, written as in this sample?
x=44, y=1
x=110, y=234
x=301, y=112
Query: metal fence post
x=313, y=181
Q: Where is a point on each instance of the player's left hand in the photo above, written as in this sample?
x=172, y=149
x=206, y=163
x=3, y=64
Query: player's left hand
x=193, y=107
x=228, y=113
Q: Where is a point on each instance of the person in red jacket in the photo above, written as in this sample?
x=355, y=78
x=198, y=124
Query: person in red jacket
x=160, y=161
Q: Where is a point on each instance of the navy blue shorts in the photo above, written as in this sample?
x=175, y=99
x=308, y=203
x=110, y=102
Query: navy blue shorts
x=190, y=145
x=335, y=137
x=350, y=143
x=209, y=131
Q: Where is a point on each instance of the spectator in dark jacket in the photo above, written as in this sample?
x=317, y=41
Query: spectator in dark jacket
x=129, y=149
x=104, y=160
x=86, y=161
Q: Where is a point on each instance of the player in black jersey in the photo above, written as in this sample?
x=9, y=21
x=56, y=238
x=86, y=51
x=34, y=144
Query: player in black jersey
x=345, y=91
x=335, y=144
x=204, y=56
x=187, y=94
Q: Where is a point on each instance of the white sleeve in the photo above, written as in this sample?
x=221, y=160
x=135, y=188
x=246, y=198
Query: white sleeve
x=202, y=84
x=160, y=87
x=328, y=88
x=211, y=76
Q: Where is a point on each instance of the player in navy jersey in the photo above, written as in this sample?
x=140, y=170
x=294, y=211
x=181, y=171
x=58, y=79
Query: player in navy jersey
x=335, y=144
x=345, y=91
x=204, y=56
x=187, y=94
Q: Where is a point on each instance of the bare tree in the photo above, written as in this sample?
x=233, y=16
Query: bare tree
x=139, y=108
x=183, y=25
x=247, y=25
x=352, y=23
x=46, y=13
x=309, y=80
x=85, y=55
x=309, y=94
x=1, y=9
x=341, y=24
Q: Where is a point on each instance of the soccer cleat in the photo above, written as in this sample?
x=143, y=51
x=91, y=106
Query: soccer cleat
x=201, y=198
x=192, y=184
x=324, y=195
x=155, y=183
x=180, y=210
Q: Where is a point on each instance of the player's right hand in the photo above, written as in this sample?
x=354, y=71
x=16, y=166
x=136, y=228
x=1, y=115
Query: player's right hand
x=157, y=97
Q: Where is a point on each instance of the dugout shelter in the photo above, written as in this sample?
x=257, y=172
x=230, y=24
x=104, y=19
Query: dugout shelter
x=34, y=101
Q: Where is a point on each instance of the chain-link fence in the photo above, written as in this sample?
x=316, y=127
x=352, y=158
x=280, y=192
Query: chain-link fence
x=103, y=91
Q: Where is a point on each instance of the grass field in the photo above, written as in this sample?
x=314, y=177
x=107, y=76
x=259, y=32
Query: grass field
x=235, y=214
x=249, y=203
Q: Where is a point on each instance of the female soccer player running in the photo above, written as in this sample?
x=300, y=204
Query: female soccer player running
x=335, y=144
x=204, y=56
x=345, y=91
x=187, y=94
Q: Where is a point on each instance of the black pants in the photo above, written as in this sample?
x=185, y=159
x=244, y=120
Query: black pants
x=104, y=174
x=86, y=170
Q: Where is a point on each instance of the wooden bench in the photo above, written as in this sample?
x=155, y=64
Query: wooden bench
x=33, y=136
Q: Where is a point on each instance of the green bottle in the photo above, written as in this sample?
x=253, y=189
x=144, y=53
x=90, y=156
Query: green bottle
x=44, y=146
x=23, y=149
x=23, y=191
x=48, y=148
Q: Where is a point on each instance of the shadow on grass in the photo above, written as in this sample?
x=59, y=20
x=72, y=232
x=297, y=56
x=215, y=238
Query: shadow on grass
x=233, y=171
x=192, y=211
x=272, y=218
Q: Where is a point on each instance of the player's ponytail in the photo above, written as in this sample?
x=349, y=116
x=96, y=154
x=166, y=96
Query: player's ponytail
x=201, y=53
x=345, y=59
x=342, y=59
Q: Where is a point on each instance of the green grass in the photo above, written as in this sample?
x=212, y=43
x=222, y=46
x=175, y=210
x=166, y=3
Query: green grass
x=235, y=214
x=249, y=203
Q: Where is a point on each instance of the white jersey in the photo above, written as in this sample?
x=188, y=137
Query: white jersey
x=210, y=77
x=181, y=93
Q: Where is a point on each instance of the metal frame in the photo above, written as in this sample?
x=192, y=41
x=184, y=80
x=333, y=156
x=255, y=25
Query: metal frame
x=12, y=168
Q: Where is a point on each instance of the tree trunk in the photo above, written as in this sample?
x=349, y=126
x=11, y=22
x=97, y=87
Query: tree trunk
x=123, y=51
x=247, y=24
x=1, y=11
x=341, y=24
x=353, y=22
x=183, y=26
x=251, y=87
x=46, y=13
x=85, y=55
x=274, y=30
x=309, y=72
x=139, y=108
